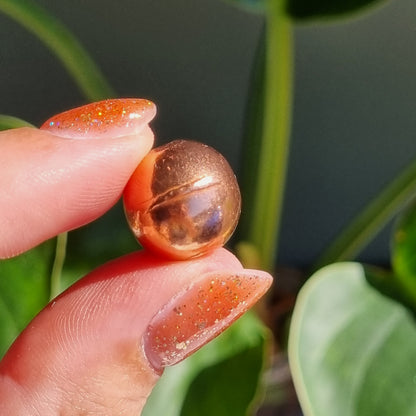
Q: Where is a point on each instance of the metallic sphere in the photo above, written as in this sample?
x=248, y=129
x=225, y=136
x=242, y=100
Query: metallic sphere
x=183, y=200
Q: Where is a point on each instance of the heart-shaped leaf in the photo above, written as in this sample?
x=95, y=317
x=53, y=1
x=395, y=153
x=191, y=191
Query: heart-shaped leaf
x=352, y=350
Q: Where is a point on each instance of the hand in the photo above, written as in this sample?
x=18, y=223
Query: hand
x=100, y=347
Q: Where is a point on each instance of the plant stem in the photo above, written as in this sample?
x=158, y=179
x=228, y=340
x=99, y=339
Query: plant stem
x=58, y=265
x=371, y=219
x=266, y=158
x=63, y=44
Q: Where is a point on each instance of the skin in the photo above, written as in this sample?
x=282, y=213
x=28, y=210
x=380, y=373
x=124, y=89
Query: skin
x=83, y=354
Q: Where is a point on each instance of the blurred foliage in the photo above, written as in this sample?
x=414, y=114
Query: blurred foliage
x=404, y=253
x=309, y=9
x=10, y=122
x=318, y=9
x=62, y=43
x=24, y=290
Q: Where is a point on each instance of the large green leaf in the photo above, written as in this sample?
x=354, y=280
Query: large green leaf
x=352, y=350
x=307, y=9
x=215, y=376
x=24, y=290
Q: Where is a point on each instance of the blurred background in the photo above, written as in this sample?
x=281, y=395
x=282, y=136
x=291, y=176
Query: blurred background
x=354, y=124
x=353, y=118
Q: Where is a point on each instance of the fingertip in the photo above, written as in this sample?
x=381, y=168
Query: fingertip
x=50, y=184
x=109, y=118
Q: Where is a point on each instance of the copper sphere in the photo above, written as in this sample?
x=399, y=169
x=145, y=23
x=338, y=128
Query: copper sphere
x=182, y=200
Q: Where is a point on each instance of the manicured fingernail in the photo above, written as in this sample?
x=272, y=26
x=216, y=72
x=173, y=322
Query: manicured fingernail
x=103, y=119
x=200, y=313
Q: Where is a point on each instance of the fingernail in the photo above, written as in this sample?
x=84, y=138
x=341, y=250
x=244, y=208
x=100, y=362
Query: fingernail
x=103, y=119
x=200, y=313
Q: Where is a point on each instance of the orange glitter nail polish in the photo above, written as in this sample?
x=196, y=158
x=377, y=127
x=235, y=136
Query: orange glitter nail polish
x=104, y=119
x=200, y=313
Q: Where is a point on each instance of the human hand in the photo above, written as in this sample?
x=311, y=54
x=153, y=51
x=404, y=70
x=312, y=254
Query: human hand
x=100, y=347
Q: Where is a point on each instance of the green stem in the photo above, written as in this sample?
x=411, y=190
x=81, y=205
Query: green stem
x=10, y=122
x=58, y=265
x=266, y=159
x=63, y=44
x=371, y=219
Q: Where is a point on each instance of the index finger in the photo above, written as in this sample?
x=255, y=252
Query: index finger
x=51, y=184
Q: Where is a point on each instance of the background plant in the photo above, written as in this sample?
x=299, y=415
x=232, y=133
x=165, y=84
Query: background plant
x=323, y=364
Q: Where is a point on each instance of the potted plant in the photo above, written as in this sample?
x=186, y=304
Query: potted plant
x=352, y=331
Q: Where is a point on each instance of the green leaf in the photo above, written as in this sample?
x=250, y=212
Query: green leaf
x=388, y=284
x=239, y=349
x=10, y=122
x=63, y=44
x=351, y=349
x=372, y=218
x=404, y=252
x=308, y=9
x=24, y=290
x=219, y=390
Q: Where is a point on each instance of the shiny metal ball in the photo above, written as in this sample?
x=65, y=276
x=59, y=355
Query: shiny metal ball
x=183, y=200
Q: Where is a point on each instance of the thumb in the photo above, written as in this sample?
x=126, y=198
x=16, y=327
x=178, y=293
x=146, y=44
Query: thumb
x=100, y=347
